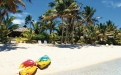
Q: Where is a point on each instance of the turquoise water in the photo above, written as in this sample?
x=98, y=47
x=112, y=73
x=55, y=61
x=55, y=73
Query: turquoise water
x=112, y=67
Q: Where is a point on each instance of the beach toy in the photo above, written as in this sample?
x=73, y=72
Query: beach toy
x=28, y=67
x=43, y=62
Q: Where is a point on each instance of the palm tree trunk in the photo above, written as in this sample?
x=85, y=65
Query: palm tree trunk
x=62, y=30
x=72, y=33
x=66, y=38
x=66, y=34
x=50, y=28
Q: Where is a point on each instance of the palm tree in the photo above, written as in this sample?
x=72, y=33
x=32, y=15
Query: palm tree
x=59, y=29
x=59, y=7
x=73, y=17
x=29, y=35
x=107, y=31
x=10, y=6
x=51, y=25
x=110, y=26
x=36, y=27
x=88, y=15
x=92, y=34
x=51, y=4
x=9, y=24
x=62, y=9
x=111, y=31
x=79, y=31
x=28, y=20
x=43, y=26
x=102, y=28
x=7, y=27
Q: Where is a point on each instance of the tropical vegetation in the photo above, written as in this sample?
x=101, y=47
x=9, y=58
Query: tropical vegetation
x=64, y=22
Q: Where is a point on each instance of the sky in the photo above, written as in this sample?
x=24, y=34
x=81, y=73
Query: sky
x=108, y=9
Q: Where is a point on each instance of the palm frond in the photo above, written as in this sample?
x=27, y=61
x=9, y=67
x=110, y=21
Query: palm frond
x=22, y=3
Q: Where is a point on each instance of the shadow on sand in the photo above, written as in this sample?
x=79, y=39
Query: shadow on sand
x=9, y=47
x=78, y=46
x=112, y=67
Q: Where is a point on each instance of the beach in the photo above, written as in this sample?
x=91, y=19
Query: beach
x=65, y=59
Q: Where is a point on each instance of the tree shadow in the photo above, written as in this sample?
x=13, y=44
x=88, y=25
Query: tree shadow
x=71, y=46
x=78, y=46
x=9, y=47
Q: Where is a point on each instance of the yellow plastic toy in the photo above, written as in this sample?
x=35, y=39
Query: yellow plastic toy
x=28, y=71
x=27, y=68
x=43, y=62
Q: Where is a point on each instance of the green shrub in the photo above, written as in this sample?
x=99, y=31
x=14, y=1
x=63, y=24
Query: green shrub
x=38, y=37
x=53, y=37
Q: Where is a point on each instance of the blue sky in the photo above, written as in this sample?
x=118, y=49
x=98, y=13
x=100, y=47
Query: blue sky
x=108, y=9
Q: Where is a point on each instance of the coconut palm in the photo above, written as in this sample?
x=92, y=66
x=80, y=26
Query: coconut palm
x=51, y=25
x=29, y=20
x=73, y=17
x=102, y=29
x=107, y=31
x=4, y=33
x=7, y=27
x=36, y=27
x=62, y=9
x=43, y=26
x=110, y=26
x=10, y=6
x=29, y=35
x=93, y=34
x=59, y=29
x=58, y=11
x=88, y=15
x=79, y=32
x=111, y=31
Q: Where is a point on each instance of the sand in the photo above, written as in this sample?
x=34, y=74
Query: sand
x=64, y=58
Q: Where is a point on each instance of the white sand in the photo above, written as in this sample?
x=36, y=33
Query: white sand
x=62, y=58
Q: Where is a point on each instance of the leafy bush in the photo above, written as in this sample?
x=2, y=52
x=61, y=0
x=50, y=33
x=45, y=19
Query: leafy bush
x=38, y=37
x=54, y=37
x=4, y=39
x=4, y=34
x=21, y=40
x=43, y=36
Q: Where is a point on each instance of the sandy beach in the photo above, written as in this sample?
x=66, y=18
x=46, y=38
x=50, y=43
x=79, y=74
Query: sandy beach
x=65, y=59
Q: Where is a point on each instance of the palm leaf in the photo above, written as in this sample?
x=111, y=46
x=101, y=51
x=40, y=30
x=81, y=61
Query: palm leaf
x=22, y=3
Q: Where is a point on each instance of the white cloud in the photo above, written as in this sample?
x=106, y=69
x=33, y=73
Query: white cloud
x=111, y=3
x=17, y=15
x=18, y=21
x=25, y=13
x=118, y=4
x=35, y=21
x=20, y=15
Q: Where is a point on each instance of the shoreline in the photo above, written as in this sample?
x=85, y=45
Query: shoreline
x=104, y=68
